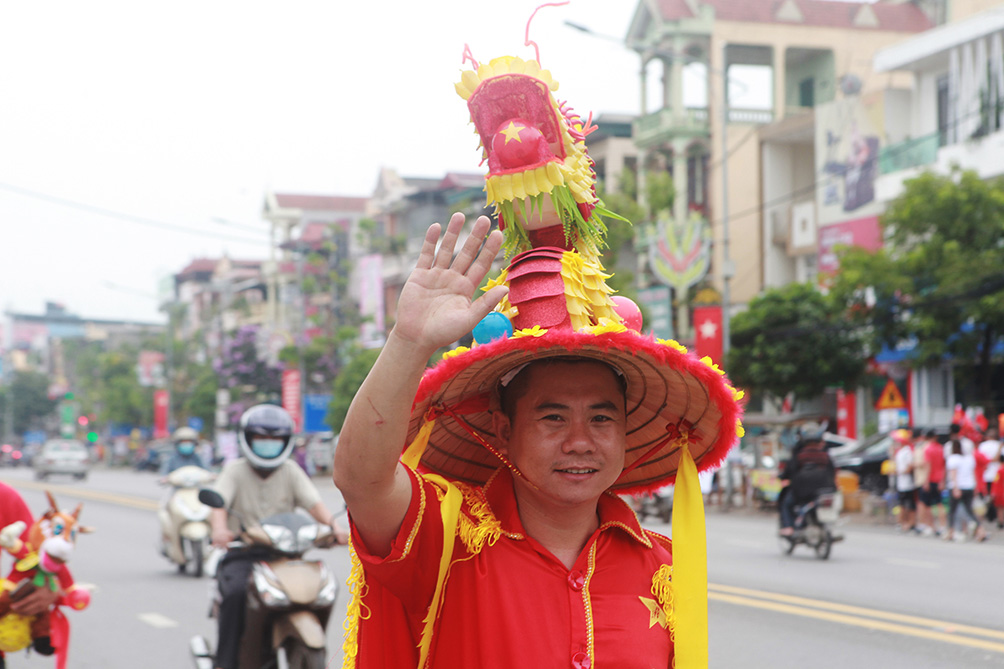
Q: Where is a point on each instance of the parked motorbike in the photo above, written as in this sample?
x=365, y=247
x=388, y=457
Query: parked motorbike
x=814, y=525
x=658, y=504
x=184, y=520
x=289, y=599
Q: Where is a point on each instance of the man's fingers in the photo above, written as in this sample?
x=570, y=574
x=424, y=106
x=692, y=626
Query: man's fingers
x=481, y=306
x=445, y=255
x=428, y=253
x=472, y=244
x=483, y=262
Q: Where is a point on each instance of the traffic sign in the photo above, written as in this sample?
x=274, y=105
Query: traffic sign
x=890, y=398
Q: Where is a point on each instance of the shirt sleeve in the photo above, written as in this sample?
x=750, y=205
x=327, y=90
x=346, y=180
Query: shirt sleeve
x=305, y=493
x=226, y=484
x=410, y=570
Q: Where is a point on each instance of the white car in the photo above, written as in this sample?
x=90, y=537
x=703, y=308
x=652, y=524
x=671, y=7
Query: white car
x=69, y=457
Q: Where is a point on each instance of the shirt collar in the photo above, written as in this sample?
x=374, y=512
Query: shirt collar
x=613, y=511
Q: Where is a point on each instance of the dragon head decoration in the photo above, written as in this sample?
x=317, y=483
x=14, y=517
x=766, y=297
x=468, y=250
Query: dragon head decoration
x=539, y=172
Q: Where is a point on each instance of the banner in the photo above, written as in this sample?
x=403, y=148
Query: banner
x=160, y=404
x=708, y=332
x=291, y=396
x=847, y=424
x=315, y=412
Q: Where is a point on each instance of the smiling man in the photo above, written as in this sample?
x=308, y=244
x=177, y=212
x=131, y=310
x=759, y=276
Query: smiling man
x=483, y=493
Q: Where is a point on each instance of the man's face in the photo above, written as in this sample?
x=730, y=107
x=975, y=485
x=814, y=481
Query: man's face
x=567, y=432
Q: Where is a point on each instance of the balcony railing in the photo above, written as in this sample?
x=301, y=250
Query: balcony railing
x=910, y=153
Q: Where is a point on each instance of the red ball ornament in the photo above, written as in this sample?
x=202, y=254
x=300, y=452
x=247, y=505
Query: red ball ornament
x=628, y=311
x=517, y=144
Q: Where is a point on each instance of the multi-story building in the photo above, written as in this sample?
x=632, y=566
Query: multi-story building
x=808, y=52
x=931, y=100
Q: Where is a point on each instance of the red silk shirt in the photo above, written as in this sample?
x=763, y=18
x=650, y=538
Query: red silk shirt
x=511, y=603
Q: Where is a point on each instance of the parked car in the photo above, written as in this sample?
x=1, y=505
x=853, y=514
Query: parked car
x=867, y=462
x=62, y=456
x=321, y=450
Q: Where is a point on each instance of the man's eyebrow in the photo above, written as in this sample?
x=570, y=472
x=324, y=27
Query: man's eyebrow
x=604, y=405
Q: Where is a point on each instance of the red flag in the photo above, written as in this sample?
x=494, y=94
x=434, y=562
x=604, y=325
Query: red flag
x=291, y=395
x=160, y=402
x=708, y=330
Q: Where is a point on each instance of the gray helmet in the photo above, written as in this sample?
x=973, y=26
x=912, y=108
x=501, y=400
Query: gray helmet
x=185, y=433
x=266, y=436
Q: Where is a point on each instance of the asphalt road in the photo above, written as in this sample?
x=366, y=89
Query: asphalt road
x=883, y=599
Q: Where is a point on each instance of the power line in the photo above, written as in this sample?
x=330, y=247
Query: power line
x=140, y=220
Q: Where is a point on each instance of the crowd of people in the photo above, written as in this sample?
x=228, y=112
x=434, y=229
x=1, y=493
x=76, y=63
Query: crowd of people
x=952, y=490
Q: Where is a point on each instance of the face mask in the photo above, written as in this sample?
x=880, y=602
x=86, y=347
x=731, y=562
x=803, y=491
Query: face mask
x=186, y=447
x=267, y=448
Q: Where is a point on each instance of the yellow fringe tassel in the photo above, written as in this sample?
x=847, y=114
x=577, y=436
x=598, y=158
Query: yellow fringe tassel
x=356, y=610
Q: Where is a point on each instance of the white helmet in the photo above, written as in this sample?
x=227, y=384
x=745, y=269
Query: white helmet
x=266, y=436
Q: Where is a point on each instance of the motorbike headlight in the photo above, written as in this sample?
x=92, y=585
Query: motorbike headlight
x=194, y=513
x=329, y=591
x=271, y=594
x=281, y=537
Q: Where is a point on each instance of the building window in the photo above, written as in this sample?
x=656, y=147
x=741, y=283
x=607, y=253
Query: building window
x=807, y=93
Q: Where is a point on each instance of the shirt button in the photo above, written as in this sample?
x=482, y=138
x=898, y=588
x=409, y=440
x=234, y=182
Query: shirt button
x=576, y=580
x=581, y=661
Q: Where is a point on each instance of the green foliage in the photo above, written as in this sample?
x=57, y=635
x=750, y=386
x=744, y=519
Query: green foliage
x=793, y=339
x=940, y=277
x=347, y=385
x=31, y=404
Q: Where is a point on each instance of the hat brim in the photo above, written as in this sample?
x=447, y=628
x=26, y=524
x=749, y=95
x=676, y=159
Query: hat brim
x=667, y=390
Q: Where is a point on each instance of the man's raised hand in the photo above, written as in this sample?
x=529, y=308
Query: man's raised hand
x=435, y=308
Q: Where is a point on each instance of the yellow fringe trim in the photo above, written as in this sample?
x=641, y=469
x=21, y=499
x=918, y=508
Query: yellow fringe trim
x=662, y=589
x=478, y=526
x=587, y=295
x=356, y=610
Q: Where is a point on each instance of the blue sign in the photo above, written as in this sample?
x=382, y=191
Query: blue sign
x=34, y=436
x=315, y=412
x=195, y=423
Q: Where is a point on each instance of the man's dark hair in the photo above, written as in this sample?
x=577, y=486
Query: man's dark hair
x=516, y=388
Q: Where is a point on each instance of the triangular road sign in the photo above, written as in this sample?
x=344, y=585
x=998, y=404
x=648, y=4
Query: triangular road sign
x=890, y=398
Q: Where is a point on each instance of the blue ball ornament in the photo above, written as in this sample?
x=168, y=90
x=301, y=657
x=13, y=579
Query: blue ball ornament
x=493, y=326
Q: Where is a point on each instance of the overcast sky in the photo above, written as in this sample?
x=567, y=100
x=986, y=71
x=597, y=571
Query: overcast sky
x=130, y=130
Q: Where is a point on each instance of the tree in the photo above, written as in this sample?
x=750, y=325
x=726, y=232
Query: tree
x=31, y=404
x=240, y=370
x=939, y=278
x=347, y=385
x=793, y=340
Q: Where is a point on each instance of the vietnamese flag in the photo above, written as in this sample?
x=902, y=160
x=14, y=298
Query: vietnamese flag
x=708, y=330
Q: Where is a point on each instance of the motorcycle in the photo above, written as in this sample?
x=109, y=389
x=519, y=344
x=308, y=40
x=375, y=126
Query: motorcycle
x=289, y=599
x=658, y=504
x=184, y=520
x=814, y=523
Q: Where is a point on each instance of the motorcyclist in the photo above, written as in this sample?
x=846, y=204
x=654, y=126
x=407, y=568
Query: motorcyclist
x=186, y=440
x=261, y=483
x=809, y=472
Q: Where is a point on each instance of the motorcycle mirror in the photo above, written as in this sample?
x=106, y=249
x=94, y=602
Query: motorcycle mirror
x=211, y=498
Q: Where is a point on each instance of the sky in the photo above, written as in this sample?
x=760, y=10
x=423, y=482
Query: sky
x=137, y=136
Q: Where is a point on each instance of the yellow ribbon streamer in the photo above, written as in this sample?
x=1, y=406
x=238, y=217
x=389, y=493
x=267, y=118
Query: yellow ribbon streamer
x=450, y=510
x=690, y=568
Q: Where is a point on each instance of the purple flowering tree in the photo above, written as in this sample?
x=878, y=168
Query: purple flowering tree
x=247, y=375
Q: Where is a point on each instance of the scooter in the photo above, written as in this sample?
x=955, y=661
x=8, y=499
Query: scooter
x=184, y=520
x=814, y=525
x=289, y=599
x=658, y=504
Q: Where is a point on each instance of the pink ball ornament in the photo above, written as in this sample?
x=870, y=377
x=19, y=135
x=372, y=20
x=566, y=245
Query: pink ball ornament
x=628, y=311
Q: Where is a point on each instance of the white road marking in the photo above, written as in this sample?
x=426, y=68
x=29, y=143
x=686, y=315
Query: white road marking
x=157, y=620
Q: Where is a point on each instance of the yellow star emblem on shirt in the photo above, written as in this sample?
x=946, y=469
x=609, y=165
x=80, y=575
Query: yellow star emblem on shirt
x=655, y=613
x=512, y=132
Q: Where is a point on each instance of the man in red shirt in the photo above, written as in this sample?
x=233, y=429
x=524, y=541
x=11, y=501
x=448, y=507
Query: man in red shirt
x=498, y=539
x=930, y=493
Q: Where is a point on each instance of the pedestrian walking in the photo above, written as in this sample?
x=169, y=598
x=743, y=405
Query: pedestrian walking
x=961, y=471
x=903, y=461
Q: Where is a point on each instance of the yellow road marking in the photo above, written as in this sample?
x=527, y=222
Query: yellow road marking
x=857, y=616
x=74, y=491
